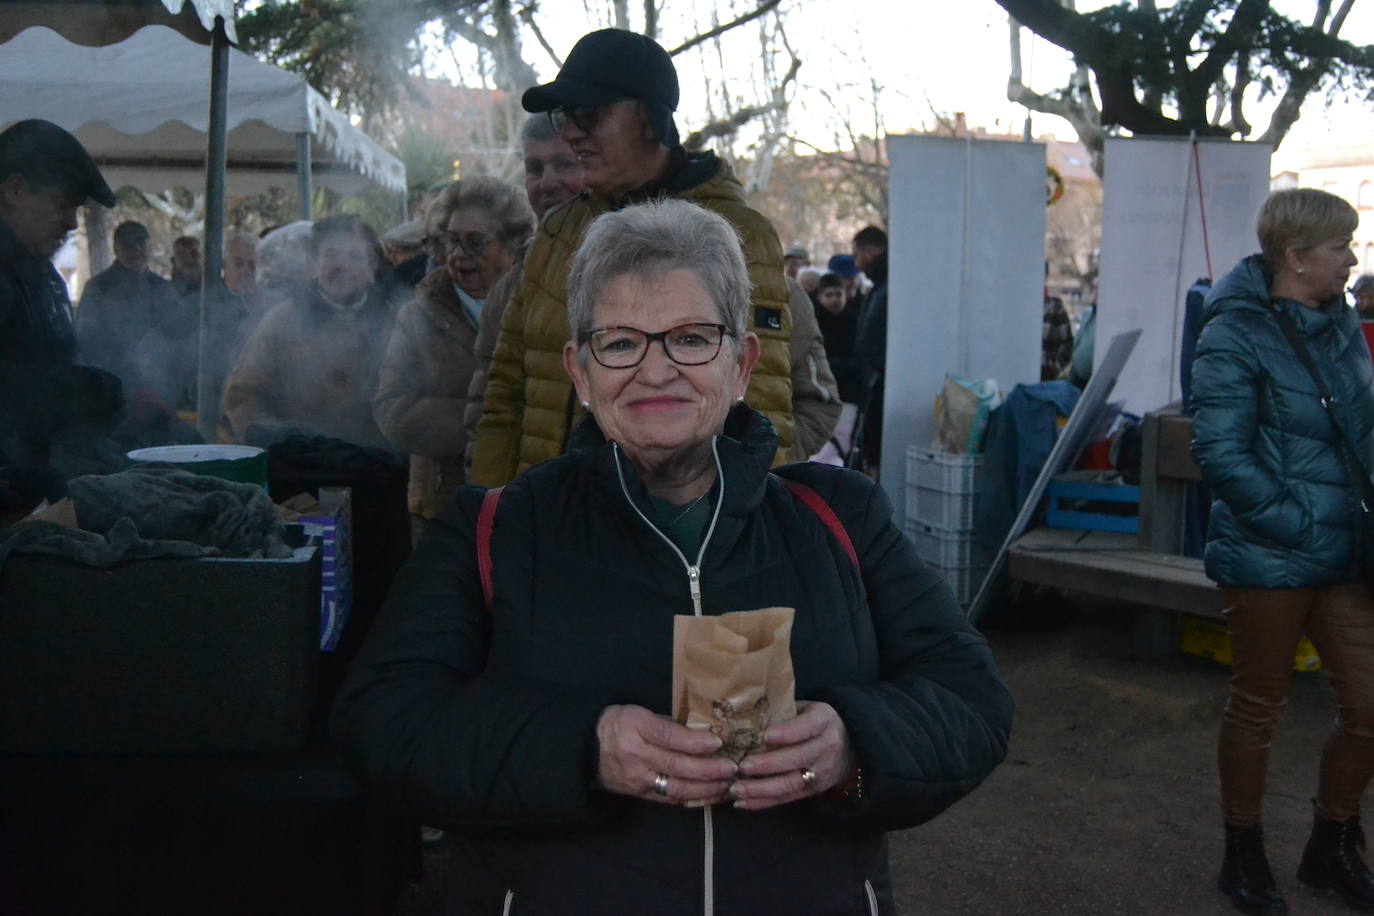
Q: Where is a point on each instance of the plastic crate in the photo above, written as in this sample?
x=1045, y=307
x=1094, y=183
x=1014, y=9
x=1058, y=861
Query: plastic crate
x=964, y=581
x=951, y=511
x=946, y=548
x=937, y=470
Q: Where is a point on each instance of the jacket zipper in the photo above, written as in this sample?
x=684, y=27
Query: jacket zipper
x=694, y=588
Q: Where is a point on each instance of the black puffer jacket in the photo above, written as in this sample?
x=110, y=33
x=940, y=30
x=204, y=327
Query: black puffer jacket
x=484, y=722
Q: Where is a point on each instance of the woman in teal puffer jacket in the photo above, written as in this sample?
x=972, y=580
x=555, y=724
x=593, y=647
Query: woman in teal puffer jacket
x=1284, y=539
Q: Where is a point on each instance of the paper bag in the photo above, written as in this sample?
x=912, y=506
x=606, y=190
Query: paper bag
x=732, y=675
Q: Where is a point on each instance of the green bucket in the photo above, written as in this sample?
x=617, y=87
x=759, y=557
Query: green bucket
x=240, y=463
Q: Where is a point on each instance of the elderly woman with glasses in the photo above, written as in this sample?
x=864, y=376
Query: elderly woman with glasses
x=516, y=689
x=473, y=232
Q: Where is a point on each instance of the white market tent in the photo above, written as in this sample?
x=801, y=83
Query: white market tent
x=139, y=107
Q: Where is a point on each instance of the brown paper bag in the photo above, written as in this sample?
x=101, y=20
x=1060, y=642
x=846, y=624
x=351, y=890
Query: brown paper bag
x=732, y=675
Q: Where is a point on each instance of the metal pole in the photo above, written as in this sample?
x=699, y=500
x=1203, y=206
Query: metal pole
x=303, y=189
x=212, y=284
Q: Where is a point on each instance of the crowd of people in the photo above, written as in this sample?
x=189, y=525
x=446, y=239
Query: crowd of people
x=632, y=370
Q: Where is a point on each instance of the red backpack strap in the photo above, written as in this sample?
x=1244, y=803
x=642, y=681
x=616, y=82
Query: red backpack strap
x=817, y=504
x=486, y=519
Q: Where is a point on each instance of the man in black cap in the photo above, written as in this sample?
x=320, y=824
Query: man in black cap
x=613, y=103
x=50, y=410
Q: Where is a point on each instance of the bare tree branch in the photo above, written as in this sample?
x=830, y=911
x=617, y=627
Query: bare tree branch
x=762, y=8
x=724, y=127
x=1286, y=112
x=651, y=19
x=527, y=16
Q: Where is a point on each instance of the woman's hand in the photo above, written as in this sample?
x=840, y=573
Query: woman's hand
x=638, y=748
x=816, y=741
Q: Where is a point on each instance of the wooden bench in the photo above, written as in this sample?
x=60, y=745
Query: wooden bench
x=1147, y=570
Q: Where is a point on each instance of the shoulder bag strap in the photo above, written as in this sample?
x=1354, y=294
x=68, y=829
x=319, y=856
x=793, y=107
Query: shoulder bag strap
x=817, y=504
x=486, y=519
x=1354, y=464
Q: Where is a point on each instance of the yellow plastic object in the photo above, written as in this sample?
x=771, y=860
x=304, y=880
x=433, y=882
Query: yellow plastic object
x=1208, y=639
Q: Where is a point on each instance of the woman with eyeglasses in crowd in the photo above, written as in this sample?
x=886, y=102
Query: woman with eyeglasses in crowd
x=528, y=711
x=473, y=232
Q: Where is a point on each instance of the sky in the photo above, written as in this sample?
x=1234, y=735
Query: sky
x=930, y=56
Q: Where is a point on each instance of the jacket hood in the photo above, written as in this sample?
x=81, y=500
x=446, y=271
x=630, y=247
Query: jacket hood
x=746, y=448
x=1246, y=288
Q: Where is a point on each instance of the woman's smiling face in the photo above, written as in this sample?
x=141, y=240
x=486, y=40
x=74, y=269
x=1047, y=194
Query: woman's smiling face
x=659, y=406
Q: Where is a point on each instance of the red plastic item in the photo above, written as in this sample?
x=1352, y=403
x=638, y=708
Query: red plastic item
x=1097, y=456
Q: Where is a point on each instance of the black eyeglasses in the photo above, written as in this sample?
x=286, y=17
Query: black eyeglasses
x=586, y=119
x=472, y=243
x=687, y=344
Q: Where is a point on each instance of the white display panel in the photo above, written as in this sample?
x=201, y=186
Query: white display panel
x=1153, y=245
x=966, y=275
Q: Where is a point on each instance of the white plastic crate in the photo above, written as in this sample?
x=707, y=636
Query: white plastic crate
x=952, y=511
x=946, y=548
x=963, y=581
x=937, y=470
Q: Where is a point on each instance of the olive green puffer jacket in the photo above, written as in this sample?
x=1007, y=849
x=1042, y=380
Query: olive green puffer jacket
x=529, y=409
x=1286, y=511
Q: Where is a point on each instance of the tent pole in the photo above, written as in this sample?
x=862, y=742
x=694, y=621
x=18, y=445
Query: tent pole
x=212, y=284
x=303, y=189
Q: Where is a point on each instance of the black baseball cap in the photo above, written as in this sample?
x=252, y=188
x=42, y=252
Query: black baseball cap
x=609, y=65
x=47, y=155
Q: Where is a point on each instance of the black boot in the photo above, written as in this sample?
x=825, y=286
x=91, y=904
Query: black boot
x=1334, y=861
x=1245, y=875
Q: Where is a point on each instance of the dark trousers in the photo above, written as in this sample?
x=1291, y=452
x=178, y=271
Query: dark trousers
x=1265, y=627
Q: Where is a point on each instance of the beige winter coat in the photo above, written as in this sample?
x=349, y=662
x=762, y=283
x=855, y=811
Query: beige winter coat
x=422, y=390
x=313, y=366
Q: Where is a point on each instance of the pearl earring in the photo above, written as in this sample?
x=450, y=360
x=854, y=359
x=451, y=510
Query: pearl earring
x=586, y=405
x=739, y=400
x=1301, y=271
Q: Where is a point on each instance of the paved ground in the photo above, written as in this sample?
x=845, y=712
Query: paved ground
x=1107, y=802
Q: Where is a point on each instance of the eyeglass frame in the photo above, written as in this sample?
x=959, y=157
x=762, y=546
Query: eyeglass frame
x=662, y=337
x=560, y=116
x=459, y=242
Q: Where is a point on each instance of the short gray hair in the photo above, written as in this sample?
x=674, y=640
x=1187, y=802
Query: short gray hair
x=538, y=128
x=653, y=239
x=503, y=203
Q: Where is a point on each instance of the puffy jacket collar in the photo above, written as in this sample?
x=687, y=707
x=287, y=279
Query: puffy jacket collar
x=321, y=310
x=1246, y=288
x=746, y=451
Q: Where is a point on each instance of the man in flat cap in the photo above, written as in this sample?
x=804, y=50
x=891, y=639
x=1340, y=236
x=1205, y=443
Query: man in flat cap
x=50, y=410
x=613, y=103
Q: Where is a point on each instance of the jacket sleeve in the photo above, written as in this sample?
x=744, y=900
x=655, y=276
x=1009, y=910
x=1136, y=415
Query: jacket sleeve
x=252, y=386
x=1226, y=384
x=937, y=721
x=488, y=331
x=428, y=724
x=870, y=344
x=496, y=451
x=815, y=396
x=408, y=411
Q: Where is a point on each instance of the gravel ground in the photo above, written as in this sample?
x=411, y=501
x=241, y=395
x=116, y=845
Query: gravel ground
x=1107, y=802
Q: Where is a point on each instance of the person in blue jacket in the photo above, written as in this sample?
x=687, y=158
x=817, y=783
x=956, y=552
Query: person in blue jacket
x=1285, y=537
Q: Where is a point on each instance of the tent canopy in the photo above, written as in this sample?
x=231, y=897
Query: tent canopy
x=139, y=107
x=103, y=22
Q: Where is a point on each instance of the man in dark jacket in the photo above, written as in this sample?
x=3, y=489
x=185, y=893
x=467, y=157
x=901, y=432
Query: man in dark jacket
x=46, y=403
x=121, y=304
x=870, y=256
